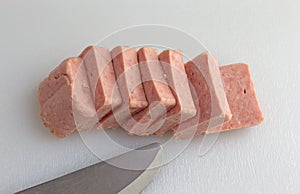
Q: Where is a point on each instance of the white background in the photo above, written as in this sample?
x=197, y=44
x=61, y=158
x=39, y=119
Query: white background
x=36, y=35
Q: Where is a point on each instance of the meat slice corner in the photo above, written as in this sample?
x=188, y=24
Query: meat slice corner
x=209, y=96
x=241, y=96
x=65, y=101
x=128, y=77
x=173, y=67
x=102, y=79
x=159, y=95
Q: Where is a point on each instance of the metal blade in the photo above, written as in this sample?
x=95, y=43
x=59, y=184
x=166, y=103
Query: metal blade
x=107, y=178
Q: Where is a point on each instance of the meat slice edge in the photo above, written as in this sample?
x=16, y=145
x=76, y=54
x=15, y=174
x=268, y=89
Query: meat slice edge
x=128, y=76
x=173, y=67
x=102, y=79
x=208, y=93
x=158, y=94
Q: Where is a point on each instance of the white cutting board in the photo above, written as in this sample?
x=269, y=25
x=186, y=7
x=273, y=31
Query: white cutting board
x=36, y=35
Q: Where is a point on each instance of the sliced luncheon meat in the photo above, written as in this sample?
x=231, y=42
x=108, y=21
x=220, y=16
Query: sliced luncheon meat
x=102, y=79
x=173, y=66
x=241, y=96
x=209, y=96
x=130, y=86
x=158, y=94
x=65, y=99
x=146, y=93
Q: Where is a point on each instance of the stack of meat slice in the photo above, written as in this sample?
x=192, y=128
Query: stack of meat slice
x=146, y=93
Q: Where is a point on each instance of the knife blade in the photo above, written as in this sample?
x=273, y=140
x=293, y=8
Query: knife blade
x=105, y=177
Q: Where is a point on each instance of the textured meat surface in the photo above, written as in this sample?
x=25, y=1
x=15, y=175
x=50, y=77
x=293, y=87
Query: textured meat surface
x=157, y=92
x=241, y=96
x=208, y=93
x=65, y=100
x=129, y=80
x=173, y=66
x=102, y=79
x=130, y=94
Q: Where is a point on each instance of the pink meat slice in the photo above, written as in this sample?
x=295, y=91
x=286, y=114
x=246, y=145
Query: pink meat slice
x=65, y=100
x=130, y=86
x=102, y=79
x=241, y=96
x=158, y=94
x=173, y=66
x=208, y=94
x=242, y=100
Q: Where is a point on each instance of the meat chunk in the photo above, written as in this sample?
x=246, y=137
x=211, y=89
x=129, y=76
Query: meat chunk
x=209, y=96
x=65, y=99
x=158, y=94
x=129, y=81
x=242, y=100
x=151, y=96
x=102, y=79
x=241, y=96
x=173, y=66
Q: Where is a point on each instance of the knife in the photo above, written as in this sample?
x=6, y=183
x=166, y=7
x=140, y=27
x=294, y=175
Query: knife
x=106, y=178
